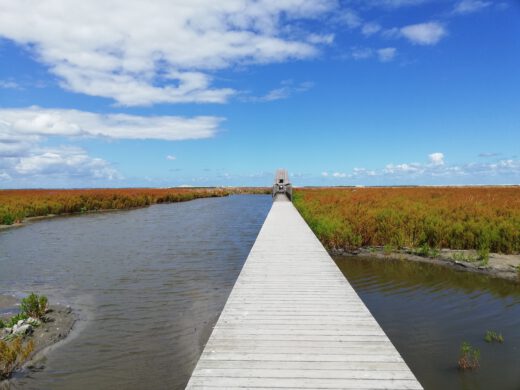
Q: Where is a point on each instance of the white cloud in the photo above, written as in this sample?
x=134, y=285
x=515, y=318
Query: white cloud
x=404, y=168
x=339, y=174
x=424, y=33
x=23, y=130
x=502, y=171
x=66, y=162
x=5, y=176
x=62, y=166
x=326, y=39
x=350, y=18
x=370, y=28
x=387, y=54
x=362, y=53
x=393, y=3
x=470, y=6
x=27, y=124
x=436, y=158
x=363, y=172
x=137, y=53
x=171, y=158
x=9, y=84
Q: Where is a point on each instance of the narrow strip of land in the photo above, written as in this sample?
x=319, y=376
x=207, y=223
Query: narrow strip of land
x=293, y=321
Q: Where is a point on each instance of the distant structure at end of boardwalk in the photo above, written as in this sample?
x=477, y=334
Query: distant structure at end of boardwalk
x=282, y=185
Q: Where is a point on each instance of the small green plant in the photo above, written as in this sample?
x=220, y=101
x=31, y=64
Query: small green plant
x=492, y=336
x=12, y=354
x=14, y=319
x=388, y=249
x=7, y=219
x=468, y=357
x=483, y=255
x=34, y=306
x=2, y=324
x=426, y=251
x=434, y=252
x=461, y=256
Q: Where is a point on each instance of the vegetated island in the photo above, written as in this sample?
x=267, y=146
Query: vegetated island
x=35, y=327
x=471, y=228
x=19, y=206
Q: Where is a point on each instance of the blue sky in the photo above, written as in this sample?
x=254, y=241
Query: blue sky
x=196, y=92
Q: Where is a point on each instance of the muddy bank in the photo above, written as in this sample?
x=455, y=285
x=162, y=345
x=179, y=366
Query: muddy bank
x=64, y=215
x=498, y=265
x=54, y=327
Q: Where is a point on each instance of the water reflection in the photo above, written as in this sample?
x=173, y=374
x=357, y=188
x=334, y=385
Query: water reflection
x=148, y=285
x=427, y=311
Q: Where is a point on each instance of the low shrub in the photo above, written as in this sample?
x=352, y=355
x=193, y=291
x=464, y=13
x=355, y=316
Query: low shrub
x=12, y=355
x=34, y=306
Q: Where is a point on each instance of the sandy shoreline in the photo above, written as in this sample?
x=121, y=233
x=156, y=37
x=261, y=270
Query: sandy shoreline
x=59, y=321
x=499, y=265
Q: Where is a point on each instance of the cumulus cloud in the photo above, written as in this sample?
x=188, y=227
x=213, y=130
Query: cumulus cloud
x=470, y=6
x=504, y=171
x=424, y=33
x=436, y=158
x=65, y=162
x=171, y=158
x=28, y=124
x=23, y=132
x=139, y=54
x=61, y=166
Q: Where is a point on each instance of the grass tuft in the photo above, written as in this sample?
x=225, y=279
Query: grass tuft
x=492, y=336
x=468, y=357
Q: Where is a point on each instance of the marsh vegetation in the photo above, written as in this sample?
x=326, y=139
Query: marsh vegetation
x=486, y=219
x=17, y=205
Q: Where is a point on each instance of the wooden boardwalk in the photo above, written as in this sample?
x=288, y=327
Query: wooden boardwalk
x=293, y=321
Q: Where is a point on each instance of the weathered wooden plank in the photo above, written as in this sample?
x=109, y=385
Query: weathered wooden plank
x=304, y=383
x=303, y=365
x=293, y=321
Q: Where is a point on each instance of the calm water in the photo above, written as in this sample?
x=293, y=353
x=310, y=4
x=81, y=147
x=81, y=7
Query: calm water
x=427, y=311
x=148, y=285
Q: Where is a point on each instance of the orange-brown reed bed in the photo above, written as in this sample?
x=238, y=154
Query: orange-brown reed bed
x=17, y=205
x=486, y=218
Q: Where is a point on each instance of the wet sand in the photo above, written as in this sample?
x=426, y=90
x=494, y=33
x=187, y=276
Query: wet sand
x=58, y=322
x=499, y=265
